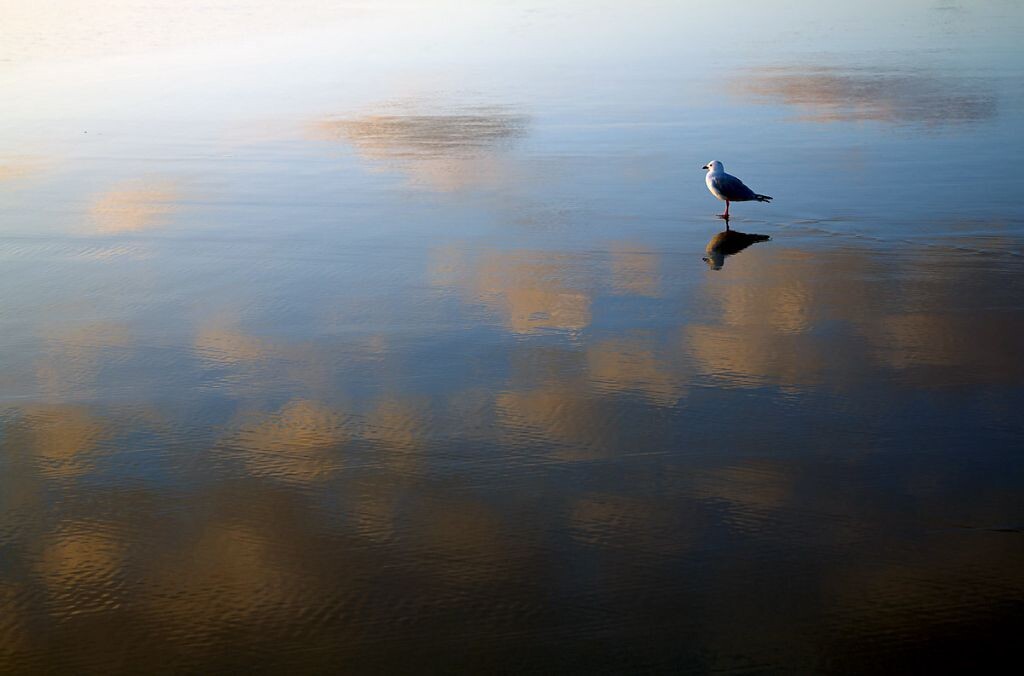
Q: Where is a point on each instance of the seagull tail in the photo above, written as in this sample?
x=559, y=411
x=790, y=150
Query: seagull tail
x=762, y=198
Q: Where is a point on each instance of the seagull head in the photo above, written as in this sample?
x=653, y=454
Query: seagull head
x=713, y=166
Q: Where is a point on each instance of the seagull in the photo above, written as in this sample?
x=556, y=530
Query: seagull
x=729, y=188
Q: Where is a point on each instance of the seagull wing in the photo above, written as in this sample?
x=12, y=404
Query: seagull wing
x=732, y=188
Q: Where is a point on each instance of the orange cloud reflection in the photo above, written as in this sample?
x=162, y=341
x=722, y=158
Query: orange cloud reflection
x=768, y=313
x=531, y=291
x=297, y=444
x=134, y=206
x=825, y=94
x=18, y=168
x=632, y=365
x=79, y=565
x=445, y=152
x=61, y=439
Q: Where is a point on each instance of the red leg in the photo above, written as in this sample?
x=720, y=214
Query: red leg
x=726, y=214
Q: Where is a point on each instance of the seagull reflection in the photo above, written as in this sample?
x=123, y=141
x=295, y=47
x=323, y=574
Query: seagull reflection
x=727, y=243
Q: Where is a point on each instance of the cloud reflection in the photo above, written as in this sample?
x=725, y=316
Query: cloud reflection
x=426, y=136
x=828, y=94
x=634, y=364
x=297, y=444
x=79, y=565
x=563, y=417
x=135, y=205
x=61, y=439
x=532, y=291
x=532, y=294
x=444, y=152
x=18, y=168
x=767, y=327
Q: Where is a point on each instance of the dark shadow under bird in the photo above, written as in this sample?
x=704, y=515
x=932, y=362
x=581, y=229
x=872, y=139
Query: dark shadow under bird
x=727, y=243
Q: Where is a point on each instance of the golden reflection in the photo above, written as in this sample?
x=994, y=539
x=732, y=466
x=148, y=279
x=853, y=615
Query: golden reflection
x=397, y=427
x=135, y=205
x=537, y=291
x=631, y=365
x=300, y=442
x=77, y=560
x=765, y=313
x=746, y=357
x=233, y=573
x=569, y=422
x=227, y=346
x=296, y=444
x=727, y=243
x=417, y=136
x=61, y=438
x=254, y=361
x=826, y=94
x=634, y=271
x=443, y=152
x=768, y=309
x=784, y=308
x=18, y=168
x=265, y=555
x=533, y=292
x=954, y=347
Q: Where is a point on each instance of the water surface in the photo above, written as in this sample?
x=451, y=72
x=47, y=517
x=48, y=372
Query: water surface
x=379, y=338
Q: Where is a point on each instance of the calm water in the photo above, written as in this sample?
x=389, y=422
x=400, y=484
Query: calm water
x=378, y=338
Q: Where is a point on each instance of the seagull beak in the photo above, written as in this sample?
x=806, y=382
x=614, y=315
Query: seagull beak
x=704, y=167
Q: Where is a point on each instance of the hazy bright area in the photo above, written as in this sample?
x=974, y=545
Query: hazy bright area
x=395, y=337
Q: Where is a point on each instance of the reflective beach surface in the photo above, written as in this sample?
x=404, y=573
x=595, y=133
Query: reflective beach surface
x=401, y=337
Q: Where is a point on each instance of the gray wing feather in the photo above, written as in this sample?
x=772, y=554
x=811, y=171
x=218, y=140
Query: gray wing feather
x=732, y=188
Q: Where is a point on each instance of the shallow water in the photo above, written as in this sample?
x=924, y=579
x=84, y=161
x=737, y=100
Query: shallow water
x=380, y=338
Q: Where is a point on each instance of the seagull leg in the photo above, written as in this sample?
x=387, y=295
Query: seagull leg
x=726, y=214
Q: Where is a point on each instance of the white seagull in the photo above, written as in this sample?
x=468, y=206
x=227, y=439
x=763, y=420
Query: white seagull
x=728, y=188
